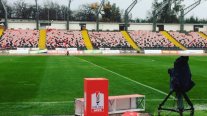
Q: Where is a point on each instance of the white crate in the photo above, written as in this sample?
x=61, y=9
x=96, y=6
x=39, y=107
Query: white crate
x=116, y=104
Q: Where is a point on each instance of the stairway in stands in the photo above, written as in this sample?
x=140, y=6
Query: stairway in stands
x=42, y=39
x=173, y=40
x=130, y=40
x=203, y=35
x=87, y=40
x=1, y=32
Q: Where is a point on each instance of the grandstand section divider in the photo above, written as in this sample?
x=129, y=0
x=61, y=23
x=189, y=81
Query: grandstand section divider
x=130, y=40
x=87, y=40
x=42, y=39
x=1, y=32
x=173, y=40
x=203, y=35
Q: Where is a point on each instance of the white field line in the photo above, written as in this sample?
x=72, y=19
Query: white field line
x=33, y=103
x=200, y=107
x=63, y=102
x=174, y=99
x=127, y=78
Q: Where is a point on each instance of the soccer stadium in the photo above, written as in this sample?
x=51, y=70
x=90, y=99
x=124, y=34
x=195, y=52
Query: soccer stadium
x=103, y=57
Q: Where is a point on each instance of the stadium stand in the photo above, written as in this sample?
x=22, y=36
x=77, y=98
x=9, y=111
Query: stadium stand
x=12, y=39
x=52, y=39
x=190, y=40
x=113, y=40
x=173, y=40
x=199, y=41
x=64, y=39
x=150, y=40
x=87, y=40
x=1, y=32
x=42, y=39
x=130, y=40
x=205, y=32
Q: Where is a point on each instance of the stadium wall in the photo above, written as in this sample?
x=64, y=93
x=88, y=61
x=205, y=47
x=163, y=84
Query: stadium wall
x=57, y=26
x=21, y=25
x=173, y=27
x=204, y=28
x=108, y=26
x=140, y=26
x=188, y=27
x=90, y=26
x=103, y=26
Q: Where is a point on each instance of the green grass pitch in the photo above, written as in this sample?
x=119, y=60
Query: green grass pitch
x=48, y=85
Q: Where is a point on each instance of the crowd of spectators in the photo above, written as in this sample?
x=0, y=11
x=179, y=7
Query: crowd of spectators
x=190, y=40
x=114, y=40
x=64, y=39
x=151, y=40
x=13, y=39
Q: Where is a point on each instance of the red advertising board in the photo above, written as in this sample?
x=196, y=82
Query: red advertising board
x=96, y=97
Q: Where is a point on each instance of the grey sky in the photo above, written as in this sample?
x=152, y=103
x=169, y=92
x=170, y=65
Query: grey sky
x=140, y=10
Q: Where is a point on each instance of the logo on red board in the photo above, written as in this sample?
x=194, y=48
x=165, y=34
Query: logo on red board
x=97, y=100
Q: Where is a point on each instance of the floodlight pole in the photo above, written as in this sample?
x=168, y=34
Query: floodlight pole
x=5, y=13
x=126, y=15
x=182, y=21
x=154, y=21
x=37, y=16
x=98, y=11
x=157, y=11
x=185, y=11
x=68, y=14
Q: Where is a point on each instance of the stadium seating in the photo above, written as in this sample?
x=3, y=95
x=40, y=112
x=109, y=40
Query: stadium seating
x=12, y=39
x=64, y=39
x=190, y=40
x=198, y=42
x=205, y=32
x=113, y=40
x=150, y=40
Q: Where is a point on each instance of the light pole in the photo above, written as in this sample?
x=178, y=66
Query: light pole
x=48, y=14
x=126, y=14
x=185, y=11
x=56, y=17
x=68, y=14
x=98, y=11
x=157, y=11
x=22, y=14
x=37, y=16
x=5, y=13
